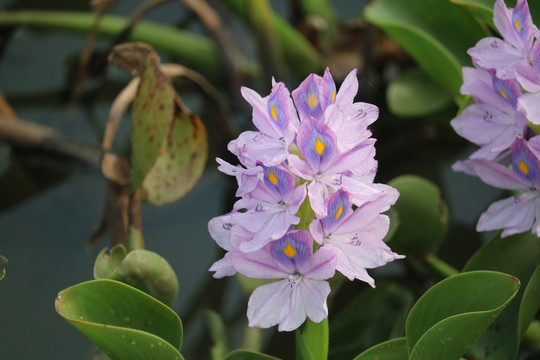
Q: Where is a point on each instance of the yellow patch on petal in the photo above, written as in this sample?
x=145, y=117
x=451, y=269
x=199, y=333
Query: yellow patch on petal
x=289, y=250
x=274, y=112
x=333, y=96
x=319, y=146
x=503, y=94
x=517, y=25
x=338, y=212
x=523, y=167
x=312, y=100
x=272, y=177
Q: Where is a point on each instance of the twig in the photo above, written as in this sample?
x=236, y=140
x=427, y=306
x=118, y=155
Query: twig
x=32, y=135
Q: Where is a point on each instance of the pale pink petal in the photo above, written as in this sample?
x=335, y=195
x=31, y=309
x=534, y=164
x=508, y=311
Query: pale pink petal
x=257, y=264
x=515, y=214
x=315, y=293
x=223, y=267
x=269, y=304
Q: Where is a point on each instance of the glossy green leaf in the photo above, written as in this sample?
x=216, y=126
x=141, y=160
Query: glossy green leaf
x=107, y=263
x=352, y=330
x=435, y=33
x=481, y=8
x=530, y=303
x=218, y=334
x=312, y=341
x=517, y=255
x=450, y=316
x=142, y=269
x=248, y=355
x=422, y=215
x=125, y=323
x=395, y=349
x=414, y=93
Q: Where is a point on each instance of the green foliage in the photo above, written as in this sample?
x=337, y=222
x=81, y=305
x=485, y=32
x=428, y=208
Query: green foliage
x=193, y=50
x=414, y=93
x=435, y=33
x=218, y=333
x=352, y=329
x=142, y=269
x=451, y=315
x=169, y=146
x=422, y=215
x=3, y=261
x=395, y=349
x=517, y=255
x=248, y=355
x=481, y=8
x=312, y=341
x=123, y=322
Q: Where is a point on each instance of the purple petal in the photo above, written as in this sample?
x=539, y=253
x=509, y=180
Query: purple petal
x=347, y=90
x=297, y=309
x=322, y=265
x=258, y=264
x=530, y=104
x=293, y=251
x=315, y=293
x=494, y=53
x=524, y=163
x=269, y=304
x=317, y=193
x=338, y=207
x=223, y=267
x=316, y=143
x=279, y=181
x=498, y=175
x=253, y=148
x=307, y=100
x=514, y=215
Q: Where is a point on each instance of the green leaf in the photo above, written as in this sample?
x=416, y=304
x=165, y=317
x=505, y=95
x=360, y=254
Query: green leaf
x=530, y=303
x=169, y=144
x=435, y=33
x=107, y=264
x=414, y=93
x=395, y=349
x=152, y=113
x=248, y=355
x=481, y=8
x=218, y=333
x=3, y=261
x=422, y=215
x=312, y=341
x=517, y=255
x=450, y=316
x=352, y=330
x=123, y=322
x=181, y=161
x=142, y=269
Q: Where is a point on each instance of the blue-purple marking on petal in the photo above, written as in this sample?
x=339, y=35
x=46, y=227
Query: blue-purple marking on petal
x=295, y=248
x=525, y=163
x=338, y=205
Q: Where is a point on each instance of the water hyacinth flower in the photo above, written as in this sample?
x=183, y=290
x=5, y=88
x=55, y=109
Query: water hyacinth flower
x=356, y=237
x=301, y=292
x=518, y=31
x=505, y=85
x=306, y=151
x=518, y=213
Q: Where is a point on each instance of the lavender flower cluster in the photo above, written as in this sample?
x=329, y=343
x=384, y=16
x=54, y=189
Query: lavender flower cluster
x=312, y=151
x=505, y=85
